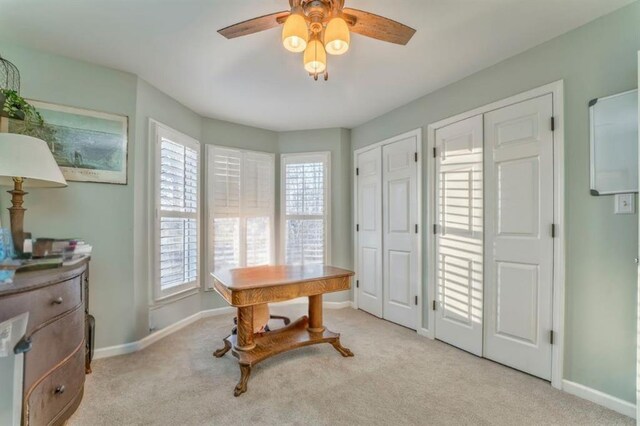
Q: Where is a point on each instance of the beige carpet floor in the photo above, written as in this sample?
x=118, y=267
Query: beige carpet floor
x=396, y=377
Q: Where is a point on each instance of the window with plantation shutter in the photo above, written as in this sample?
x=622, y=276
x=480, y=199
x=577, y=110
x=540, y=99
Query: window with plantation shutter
x=240, y=219
x=177, y=212
x=305, y=207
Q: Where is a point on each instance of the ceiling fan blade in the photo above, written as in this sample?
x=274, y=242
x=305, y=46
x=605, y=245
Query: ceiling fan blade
x=378, y=27
x=254, y=25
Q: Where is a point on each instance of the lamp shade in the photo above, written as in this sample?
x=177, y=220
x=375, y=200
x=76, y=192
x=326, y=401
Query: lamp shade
x=337, y=37
x=28, y=158
x=295, y=33
x=315, y=58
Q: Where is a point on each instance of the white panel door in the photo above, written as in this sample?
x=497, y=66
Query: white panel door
x=369, y=222
x=459, y=236
x=400, y=233
x=519, y=246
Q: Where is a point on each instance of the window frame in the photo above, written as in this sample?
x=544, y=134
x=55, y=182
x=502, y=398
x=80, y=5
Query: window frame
x=209, y=261
x=157, y=131
x=300, y=158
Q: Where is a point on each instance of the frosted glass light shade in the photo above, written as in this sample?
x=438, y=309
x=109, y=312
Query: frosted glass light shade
x=28, y=158
x=315, y=58
x=337, y=37
x=295, y=33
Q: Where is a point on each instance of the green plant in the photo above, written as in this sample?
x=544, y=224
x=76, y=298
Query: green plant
x=14, y=103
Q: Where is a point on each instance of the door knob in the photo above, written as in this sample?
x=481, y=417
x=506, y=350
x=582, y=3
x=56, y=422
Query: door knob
x=636, y=261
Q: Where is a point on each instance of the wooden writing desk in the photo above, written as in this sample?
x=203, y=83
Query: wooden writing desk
x=246, y=287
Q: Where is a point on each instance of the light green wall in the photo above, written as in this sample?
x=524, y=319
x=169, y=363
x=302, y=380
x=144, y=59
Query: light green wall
x=595, y=60
x=151, y=103
x=98, y=213
x=337, y=141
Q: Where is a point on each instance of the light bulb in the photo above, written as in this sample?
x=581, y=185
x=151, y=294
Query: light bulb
x=315, y=57
x=295, y=33
x=337, y=37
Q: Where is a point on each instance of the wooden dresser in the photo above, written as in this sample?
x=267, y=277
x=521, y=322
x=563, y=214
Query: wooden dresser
x=55, y=364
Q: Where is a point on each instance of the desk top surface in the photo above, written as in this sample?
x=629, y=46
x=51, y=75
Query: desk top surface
x=269, y=276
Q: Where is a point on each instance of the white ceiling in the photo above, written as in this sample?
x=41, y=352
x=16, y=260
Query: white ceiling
x=174, y=45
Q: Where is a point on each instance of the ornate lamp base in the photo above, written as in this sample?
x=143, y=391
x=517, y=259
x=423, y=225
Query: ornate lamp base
x=16, y=214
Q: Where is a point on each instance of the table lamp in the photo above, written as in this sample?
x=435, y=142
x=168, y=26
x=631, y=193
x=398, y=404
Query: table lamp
x=25, y=162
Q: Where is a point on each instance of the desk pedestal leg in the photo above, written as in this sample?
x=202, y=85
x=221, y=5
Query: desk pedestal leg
x=245, y=329
x=315, y=314
x=241, y=387
x=220, y=352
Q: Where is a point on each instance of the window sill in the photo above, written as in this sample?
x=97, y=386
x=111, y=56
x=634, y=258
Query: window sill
x=179, y=295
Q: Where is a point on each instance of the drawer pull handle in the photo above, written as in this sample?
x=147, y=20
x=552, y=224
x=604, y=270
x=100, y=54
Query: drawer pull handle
x=59, y=390
x=23, y=346
x=57, y=301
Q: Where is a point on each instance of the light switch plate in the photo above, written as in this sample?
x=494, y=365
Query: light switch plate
x=625, y=204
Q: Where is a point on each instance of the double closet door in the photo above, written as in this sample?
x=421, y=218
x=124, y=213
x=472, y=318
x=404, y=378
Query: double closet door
x=494, y=245
x=387, y=230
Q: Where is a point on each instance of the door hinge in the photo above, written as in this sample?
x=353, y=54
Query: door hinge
x=357, y=283
x=435, y=229
x=434, y=305
x=416, y=300
x=357, y=171
x=435, y=152
x=551, y=336
x=553, y=230
x=553, y=124
x=358, y=228
x=415, y=157
x=416, y=228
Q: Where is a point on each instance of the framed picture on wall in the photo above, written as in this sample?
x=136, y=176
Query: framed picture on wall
x=89, y=146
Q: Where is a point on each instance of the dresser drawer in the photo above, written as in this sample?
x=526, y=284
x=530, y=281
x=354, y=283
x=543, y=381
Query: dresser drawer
x=52, y=344
x=57, y=392
x=44, y=305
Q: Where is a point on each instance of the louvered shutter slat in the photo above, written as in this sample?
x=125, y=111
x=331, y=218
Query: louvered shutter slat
x=178, y=263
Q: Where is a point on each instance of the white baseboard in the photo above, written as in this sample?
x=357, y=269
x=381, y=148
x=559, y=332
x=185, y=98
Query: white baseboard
x=611, y=402
x=146, y=341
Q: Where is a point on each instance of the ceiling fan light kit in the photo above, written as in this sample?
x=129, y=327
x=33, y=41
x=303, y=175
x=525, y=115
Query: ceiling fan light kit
x=295, y=34
x=318, y=27
x=337, y=38
x=315, y=57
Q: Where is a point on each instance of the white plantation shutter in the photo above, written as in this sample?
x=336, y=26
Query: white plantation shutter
x=305, y=207
x=240, y=188
x=224, y=179
x=177, y=211
x=258, y=207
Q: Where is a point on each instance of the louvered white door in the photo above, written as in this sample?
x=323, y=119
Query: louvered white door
x=369, y=222
x=519, y=246
x=459, y=237
x=400, y=232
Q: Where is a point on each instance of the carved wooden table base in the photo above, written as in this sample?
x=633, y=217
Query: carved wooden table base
x=250, y=349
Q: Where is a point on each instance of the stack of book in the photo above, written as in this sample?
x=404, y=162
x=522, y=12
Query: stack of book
x=67, y=248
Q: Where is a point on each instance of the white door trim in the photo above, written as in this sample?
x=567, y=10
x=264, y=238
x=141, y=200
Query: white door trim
x=418, y=135
x=557, y=90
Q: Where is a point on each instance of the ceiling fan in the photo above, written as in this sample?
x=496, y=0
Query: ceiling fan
x=318, y=27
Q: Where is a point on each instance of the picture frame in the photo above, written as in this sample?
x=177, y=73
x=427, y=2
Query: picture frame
x=88, y=145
